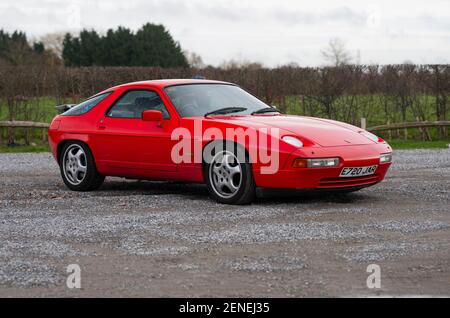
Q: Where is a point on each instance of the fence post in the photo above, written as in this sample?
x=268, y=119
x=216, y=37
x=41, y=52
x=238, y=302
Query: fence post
x=44, y=135
x=363, y=123
x=389, y=131
x=11, y=136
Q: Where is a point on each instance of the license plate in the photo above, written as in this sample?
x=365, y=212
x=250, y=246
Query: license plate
x=358, y=171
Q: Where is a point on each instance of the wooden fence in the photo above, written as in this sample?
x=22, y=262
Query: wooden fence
x=11, y=125
x=23, y=124
x=420, y=125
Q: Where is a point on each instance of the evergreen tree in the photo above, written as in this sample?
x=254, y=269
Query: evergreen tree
x=90, y=48
x=156, y=47
x=39, y=47
x=117, y=48
x=152, y=45
x=15, y=49
x=71, y=50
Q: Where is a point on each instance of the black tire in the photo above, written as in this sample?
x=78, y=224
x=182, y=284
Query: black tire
x=89, y=180
x=247, y=188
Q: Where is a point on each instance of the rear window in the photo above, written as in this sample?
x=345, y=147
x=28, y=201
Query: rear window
x=86, y=106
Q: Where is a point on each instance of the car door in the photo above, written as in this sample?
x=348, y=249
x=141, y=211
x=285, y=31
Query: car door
x=127, y=142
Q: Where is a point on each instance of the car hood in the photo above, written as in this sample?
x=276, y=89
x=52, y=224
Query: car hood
x=326, y=133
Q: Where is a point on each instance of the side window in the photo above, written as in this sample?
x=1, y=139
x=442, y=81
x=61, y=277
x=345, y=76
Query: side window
x=86, y=106
x=134, y=102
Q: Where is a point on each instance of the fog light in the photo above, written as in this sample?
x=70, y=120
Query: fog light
x=316, y=163
x=385, y=158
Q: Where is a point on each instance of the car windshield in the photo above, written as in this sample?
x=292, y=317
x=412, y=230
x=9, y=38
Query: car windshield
x=201, y=99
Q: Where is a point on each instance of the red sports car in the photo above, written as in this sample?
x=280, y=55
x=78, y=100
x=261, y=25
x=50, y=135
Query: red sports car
x=209, y=132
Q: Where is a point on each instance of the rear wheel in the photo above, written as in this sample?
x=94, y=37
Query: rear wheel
x=78, y=169
x=230, y=180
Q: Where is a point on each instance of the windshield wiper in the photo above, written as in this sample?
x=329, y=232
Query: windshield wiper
x=226, y=110
x=265, y=111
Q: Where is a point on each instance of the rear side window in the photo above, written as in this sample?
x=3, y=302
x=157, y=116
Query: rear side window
x=86, y=106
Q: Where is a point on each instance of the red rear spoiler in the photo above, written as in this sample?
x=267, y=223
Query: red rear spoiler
x=63, y=108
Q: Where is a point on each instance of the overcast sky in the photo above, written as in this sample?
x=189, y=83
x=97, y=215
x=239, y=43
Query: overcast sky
x=272, y=32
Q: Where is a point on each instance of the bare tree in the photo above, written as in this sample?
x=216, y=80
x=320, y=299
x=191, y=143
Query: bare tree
x=53, y=42
x=241, y=64
x=336, y=53
x=194, y=60
x=382, y=94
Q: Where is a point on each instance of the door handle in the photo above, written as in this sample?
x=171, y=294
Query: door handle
x=101, y=125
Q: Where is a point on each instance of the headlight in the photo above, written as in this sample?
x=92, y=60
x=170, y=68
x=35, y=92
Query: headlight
x=293, y=141
x=385, y=158
x=316, y=163
x=371, y=136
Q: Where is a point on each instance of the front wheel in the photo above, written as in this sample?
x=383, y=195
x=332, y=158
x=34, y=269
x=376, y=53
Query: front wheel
x=78, y=167
x=229, y=180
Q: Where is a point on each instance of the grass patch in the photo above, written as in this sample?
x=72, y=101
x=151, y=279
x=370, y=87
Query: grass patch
x=24, y=149
x=415, y=144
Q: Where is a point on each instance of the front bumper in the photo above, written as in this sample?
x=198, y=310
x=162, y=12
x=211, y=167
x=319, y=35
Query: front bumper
x=328, y=178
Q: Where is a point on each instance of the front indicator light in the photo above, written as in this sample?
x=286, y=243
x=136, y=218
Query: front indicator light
x=300, y=163
x=316, y=163
x=386, y=158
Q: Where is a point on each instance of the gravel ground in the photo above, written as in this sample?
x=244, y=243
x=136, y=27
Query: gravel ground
x=169, y=239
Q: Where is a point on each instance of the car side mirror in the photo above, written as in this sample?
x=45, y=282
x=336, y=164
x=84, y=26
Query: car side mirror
x=152, y=115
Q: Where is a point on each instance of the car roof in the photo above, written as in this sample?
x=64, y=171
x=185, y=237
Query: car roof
x=168, y=82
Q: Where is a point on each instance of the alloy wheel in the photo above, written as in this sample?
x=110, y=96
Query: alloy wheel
x=225, y=174
x=75, y=164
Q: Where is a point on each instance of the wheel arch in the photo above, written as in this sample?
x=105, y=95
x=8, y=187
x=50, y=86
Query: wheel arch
x=64, y=142
x=246, y=191
x=216, y=141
